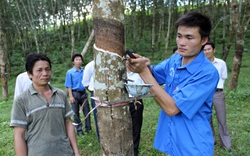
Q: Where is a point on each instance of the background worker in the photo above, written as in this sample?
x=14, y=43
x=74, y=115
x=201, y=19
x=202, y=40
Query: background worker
x=88, y=83
x=219, y=97
x=77, y=93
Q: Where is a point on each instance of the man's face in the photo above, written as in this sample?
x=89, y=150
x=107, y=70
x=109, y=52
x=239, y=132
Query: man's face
x=77, y=62
x=189, y=41
x=41, y=73
x=209, y=51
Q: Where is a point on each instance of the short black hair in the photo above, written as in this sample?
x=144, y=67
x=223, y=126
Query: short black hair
x=33, y=58
x=195, y=19
x=28, y=55
x=174, y=49
x=210, y=43
x=76, y=55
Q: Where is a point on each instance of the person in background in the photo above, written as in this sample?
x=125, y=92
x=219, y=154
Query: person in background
x=219, y=97
x=136, y=110
x=88, y=83
x=175, y=50
x=41, y=115
x=183, y=127
x=77, y=93
x=22, y=81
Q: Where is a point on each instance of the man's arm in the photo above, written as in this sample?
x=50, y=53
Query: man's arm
x=68, y=84
x=72, y=137
x=19, y=141
x=166, y=102
x=71, y=97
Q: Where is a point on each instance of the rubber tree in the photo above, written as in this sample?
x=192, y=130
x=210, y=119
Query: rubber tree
x=240, y=28
x=114, y=119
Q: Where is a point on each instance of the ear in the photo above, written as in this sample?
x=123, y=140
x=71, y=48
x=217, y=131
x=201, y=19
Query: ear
x=204, y=41
x=29, y=74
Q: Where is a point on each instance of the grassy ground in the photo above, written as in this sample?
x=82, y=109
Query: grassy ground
x=238, y=117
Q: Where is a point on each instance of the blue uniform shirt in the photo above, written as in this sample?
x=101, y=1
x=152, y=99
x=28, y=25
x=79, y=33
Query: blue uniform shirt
x=192, y=87
x=74, y=79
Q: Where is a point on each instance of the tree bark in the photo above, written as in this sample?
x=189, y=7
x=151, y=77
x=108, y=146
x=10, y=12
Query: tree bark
x=114, y=122
x=2, y=64
x=240, y=31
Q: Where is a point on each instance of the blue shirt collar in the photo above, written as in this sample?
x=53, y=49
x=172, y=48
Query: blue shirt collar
x=75, y=70
x=193, y=65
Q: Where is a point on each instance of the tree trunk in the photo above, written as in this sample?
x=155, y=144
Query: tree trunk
x=142, y=18
x=2, y=64
x=32, y=26
x=134, y=33
x=224, y=30
x=240, y=31
x=161, y=23
x=232, y=34
x=153, y=29
x=114, y=122
x=72, y=30
x=168, y=31
x=88, y=43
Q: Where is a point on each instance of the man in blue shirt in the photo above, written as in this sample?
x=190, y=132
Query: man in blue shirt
x=190, y=82
x=77, y=93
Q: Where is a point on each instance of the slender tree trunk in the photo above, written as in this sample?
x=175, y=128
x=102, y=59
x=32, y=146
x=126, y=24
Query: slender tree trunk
x=232, y=35
x=161, y=24
x=153, y=30
x=72, y=29
x=115, y=125
x=88, y=43
x=168, y=31
x=240, y=30
x=214, y=18
x=23, y=32
x=2, y=64
x=224, y=30
x=143, y=18
x=134, y=33
x=32, y=26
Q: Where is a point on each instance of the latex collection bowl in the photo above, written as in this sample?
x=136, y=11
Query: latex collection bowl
x=138, y=90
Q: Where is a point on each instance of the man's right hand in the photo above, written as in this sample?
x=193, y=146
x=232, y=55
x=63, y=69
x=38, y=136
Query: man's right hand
x=72, y=99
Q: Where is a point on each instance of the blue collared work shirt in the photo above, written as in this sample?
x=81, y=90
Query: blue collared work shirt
x=74, y=79
x=192, y=87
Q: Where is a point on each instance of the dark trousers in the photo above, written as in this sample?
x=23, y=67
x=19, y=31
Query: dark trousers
x=137, y=118
x=79, y=99
x=95, y=116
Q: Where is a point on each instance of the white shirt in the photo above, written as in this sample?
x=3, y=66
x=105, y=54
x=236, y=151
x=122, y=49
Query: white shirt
x=89, y=75
x=22, y=83
x=136, y=77
x=221, y=67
